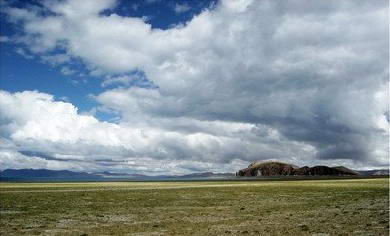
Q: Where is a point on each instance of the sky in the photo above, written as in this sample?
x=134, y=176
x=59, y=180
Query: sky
x=175, y=87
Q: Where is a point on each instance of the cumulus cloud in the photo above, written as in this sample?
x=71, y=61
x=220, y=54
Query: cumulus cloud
x=34, y=122
x=244, y=80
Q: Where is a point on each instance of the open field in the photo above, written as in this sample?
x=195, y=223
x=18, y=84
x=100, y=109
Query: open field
x=315, y=207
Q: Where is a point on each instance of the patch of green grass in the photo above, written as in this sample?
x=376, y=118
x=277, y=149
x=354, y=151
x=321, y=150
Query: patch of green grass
x=334, y=207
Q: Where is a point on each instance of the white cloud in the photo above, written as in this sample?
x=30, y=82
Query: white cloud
x=295, y=82
x=56, y=59
x=181, y=8
x=36, y=122
x=24, y=54
x=125, y=80
x=15, y=160
x=67, y=71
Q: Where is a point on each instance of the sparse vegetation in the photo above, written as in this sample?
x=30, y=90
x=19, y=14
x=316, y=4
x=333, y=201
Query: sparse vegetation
x=316, y=207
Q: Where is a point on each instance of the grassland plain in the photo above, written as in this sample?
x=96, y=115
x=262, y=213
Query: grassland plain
x=315, y=207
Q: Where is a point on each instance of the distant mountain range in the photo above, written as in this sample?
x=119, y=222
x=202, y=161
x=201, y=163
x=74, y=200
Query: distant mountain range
x=66, y=175
x=44, y=174
x=33, y=174
x=193, y=175
x=374, y=172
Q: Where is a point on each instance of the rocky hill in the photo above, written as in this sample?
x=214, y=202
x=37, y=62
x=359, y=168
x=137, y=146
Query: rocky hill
x=274, y=168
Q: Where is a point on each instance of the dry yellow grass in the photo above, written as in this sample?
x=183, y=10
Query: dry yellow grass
x=323, y=207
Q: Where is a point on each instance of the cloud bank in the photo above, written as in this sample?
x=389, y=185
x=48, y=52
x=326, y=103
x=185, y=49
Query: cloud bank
x=298, y=81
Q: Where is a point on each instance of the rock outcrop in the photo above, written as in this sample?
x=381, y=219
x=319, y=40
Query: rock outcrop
x=274, y=168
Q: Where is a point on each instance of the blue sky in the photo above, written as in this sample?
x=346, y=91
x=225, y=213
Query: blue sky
x=171, y=87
